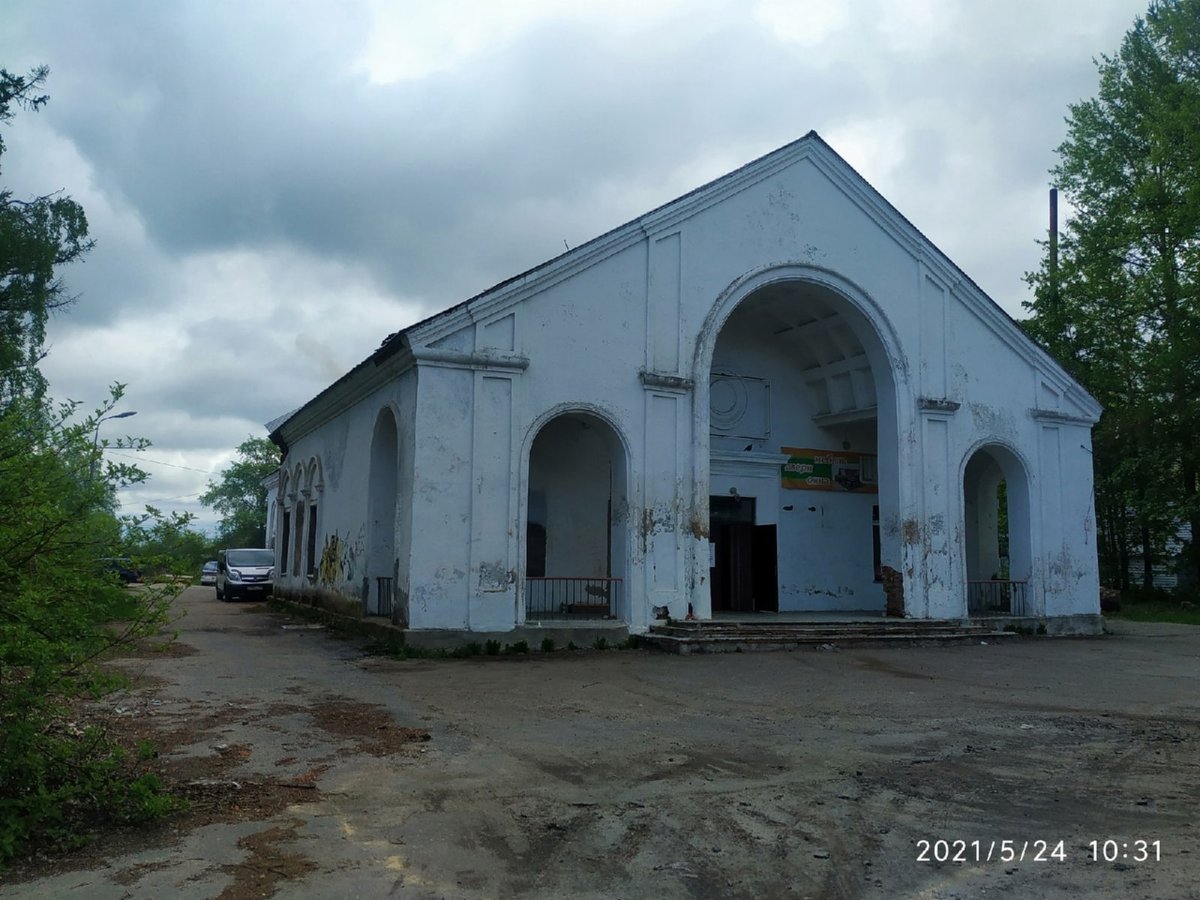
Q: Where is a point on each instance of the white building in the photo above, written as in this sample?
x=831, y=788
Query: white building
x=761, y=396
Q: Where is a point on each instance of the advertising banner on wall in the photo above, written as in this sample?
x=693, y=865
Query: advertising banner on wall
x=830, y=470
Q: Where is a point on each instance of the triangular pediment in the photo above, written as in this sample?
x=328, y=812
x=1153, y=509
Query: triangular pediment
x=810, y=151
x=486, y=321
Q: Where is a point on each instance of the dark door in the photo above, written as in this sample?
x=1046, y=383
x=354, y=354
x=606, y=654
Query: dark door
x=764, y=569
x=735, y=538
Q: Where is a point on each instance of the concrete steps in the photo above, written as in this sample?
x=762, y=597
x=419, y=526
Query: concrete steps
x=739, y=637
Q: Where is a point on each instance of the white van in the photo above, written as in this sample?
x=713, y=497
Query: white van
x=246, y=572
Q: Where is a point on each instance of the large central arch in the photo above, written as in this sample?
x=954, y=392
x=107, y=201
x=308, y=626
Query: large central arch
x=797, y=446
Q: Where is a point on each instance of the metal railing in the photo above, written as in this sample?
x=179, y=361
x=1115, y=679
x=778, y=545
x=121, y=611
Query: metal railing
x=384, y=593
x=996, y=598
x=572, y=598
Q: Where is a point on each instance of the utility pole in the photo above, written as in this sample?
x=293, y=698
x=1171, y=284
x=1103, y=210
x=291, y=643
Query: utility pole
x=1054, y=248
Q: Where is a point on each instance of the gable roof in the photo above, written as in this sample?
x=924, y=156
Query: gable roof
x=810, y=146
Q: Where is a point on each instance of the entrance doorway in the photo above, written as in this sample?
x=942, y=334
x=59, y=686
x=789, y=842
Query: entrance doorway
x=744, y=565
x=802, y=416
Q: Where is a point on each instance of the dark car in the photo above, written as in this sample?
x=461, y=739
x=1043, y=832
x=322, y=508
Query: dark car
x=123, y=568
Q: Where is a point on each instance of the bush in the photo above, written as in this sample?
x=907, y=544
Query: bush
x=547, y=645
x=56, y=612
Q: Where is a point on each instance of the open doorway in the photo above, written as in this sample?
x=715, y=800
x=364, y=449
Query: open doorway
x=996, y=536
x=381, y=513
x=802, y=417
x=744, y=562
x=576, y=529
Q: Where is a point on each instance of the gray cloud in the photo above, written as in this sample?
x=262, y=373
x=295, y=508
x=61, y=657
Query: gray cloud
x=266, y=211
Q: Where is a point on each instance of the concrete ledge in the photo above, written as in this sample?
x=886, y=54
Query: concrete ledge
x=334, y=602
x=373, y=627
x=1080, y=625
x=582, y=635
x=562, y=633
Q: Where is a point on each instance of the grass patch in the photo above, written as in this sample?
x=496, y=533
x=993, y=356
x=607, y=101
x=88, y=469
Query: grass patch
x=1157, y=610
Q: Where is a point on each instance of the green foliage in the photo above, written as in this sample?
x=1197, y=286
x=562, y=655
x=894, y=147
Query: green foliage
x=1122, y=308
x=240, y=497
x=547, y=645
x=491, y=648
x=58, y=602
x=56, y=608
x=601, y=643
x=161, y=543
x=1147, y=607
x=36, y=235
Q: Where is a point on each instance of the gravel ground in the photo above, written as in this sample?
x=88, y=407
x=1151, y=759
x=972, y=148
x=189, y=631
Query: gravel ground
x=316, y=770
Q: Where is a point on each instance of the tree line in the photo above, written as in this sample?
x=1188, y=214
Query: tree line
x=1119, y=303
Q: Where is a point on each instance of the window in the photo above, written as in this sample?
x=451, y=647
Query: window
x=311, y=555
x=875, y=546
x=287, y=532
x=299, y=537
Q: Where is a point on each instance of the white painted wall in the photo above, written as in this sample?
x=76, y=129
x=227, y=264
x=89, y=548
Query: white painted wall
x=582, y=333
x=342, y=448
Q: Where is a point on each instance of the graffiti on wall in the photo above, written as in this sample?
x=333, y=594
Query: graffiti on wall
x=340, y=559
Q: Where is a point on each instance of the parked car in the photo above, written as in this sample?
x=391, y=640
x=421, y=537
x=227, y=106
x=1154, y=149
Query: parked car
x=208, y=575
x=245, y=572
x=122, y=567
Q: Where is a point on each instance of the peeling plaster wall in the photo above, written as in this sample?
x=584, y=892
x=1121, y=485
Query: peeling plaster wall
x=343, y=446
x=443, y=501
x=1022, y=407
x=624, y=331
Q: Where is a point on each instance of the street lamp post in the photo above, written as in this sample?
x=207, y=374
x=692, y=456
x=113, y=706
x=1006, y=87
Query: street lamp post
x=96, y=437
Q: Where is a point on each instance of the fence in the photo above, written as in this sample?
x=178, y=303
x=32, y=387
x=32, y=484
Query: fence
x=572, y=598
x=384, y=593
x=996, y=598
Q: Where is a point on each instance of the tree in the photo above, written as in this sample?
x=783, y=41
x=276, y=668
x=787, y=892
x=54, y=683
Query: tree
x=1121, y=309
x=58, y=773
x=166, y=542
x=239, y=495
x=37, y=235
x=56, y=605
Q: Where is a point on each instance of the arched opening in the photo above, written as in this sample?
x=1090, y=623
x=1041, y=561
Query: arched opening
x=381, y=517
x=312, y=491
x=283, y=524
x=577, y=522
x=803, y=469
x=298, y=509
x=996, y=533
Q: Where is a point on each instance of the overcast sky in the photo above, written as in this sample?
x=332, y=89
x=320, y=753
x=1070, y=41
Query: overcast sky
x=275, y=186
